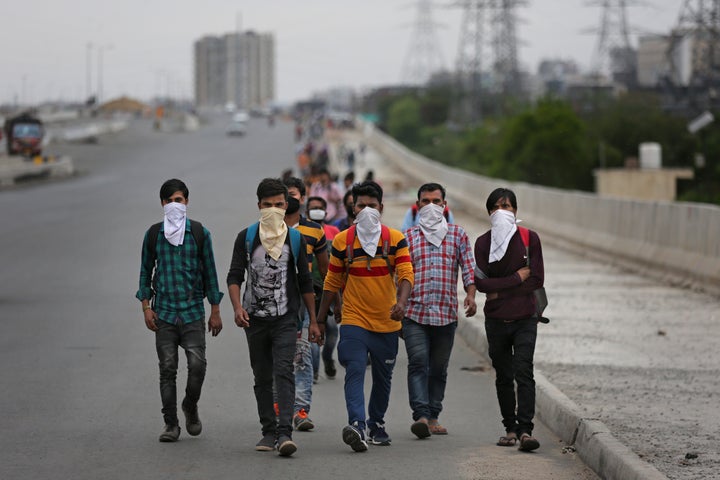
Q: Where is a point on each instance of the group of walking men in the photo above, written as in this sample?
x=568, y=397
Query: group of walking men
x=378, y=283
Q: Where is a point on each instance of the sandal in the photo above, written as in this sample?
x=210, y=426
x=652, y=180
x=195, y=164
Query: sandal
x=528, y=443
x=436, y=428
x=509, y=440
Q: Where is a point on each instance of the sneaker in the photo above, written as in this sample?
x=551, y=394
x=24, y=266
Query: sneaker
x=266, y=443
x=192, y=420
x=170, y=433
x=421, y=429
x=286, y=446
x=302, y=422
x=330, y=370
x=276, y=407
x=355, y=437
x=378, y=436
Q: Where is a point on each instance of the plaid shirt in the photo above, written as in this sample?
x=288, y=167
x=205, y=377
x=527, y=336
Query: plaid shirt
x=434, y=300
x=179, y=290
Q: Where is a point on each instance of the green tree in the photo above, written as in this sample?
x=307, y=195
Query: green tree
x=404, y=121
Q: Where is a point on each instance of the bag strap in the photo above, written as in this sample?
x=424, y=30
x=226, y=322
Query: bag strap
x=384, y=235
x=251, y=234
x=525, y=235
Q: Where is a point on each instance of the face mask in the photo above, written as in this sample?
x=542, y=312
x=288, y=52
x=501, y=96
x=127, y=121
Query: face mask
x=272, y=230
x=368, y=229
x=272, y=219
x=174, y=223
x=503, y=227
x=293, y=206
x=317, y=214
x=433, y=224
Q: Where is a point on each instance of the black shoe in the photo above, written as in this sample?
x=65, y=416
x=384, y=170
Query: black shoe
x=285, y=445
x=192, y=420
x=266, y=443
x=330, y=370
x=170, y=433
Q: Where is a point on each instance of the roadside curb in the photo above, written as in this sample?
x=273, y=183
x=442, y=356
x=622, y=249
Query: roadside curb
x=593, y=442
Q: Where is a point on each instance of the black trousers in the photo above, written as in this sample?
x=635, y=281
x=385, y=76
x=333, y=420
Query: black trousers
x=271, y=342
x=511, y=349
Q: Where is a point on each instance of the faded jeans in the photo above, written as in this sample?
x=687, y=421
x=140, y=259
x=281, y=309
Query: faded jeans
x=191, y=337
x=428, y=349
x=303, y=366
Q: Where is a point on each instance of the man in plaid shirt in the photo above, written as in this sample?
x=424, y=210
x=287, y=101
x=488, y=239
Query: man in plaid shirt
x=438, y=251
x=183, y=276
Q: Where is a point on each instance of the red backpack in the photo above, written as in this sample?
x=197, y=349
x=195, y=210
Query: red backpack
x=350, y=251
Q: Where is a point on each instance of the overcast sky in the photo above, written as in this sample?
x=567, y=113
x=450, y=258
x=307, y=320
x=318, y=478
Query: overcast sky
x=147, y=44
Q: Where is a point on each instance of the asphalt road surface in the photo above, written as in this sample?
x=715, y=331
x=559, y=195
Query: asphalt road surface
x=80, y=396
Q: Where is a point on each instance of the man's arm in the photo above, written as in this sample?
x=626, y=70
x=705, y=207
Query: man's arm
x=210, y=281
x=144, y=293
x=235, y=278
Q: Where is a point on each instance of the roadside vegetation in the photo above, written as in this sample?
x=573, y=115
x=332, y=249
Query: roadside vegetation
x=553, y=142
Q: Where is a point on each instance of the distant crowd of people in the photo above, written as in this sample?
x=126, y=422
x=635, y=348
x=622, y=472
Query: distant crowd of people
x=320, y=271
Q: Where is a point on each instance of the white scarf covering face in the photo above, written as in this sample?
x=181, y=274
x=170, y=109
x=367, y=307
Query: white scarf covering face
x=368, y=229
x=503, y=227
x=272, y=230
x=433, y=224
x=174, y=223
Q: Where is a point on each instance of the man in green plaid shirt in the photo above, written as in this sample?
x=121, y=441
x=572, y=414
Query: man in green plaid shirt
x=185, y=273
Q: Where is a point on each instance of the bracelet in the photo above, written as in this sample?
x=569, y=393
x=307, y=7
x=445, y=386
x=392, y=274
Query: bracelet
x=146, y=308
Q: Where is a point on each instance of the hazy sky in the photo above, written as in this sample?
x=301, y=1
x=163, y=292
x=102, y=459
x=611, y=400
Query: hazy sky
x=147, y=44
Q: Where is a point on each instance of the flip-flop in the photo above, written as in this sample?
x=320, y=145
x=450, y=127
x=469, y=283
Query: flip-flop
x=528, y=443
x=509, y=440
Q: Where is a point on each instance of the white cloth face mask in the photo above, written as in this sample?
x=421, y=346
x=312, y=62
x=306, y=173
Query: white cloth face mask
x=503, y=227
x=316, y=214
x=272, y=230
x=174, y=222
x=433, y=223
x=367, y=224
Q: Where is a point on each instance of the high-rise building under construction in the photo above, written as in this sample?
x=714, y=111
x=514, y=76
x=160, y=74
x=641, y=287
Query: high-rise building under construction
x=236, y=68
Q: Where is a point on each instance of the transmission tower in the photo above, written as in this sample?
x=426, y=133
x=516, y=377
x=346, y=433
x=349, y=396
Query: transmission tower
x=488, y=31
x=424, y=56
x=614, y=57
x=694, y=54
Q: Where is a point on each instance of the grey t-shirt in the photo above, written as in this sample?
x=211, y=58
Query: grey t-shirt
x=266, y=292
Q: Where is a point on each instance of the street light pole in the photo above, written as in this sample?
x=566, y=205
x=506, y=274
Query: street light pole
x=88, y=70
x=101, y=49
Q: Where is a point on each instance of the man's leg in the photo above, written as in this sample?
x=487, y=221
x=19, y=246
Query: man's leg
x=167, y=339
x=441, y=344
x=284, y=340
x=331, y=337
x=417, y=346
x=352, y=354
x=500, y=352
x=524, y=347
x=192, y=340
x=261, y=360
x=383, y=353
x=303, y=377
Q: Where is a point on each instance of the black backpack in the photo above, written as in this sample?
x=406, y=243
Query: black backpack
x=196, y=228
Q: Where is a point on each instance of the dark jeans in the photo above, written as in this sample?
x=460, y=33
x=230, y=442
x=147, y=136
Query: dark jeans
x=353, y=349
x=511, y=349
x=271, y=342
x=331, y=338
x=191, y=337
x=428, y=349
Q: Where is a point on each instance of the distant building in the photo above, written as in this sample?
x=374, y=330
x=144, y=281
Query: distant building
x=237, y=69
x=555, y=73
x=652, y=60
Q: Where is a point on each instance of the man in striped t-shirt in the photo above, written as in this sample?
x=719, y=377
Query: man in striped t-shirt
x=373, y=306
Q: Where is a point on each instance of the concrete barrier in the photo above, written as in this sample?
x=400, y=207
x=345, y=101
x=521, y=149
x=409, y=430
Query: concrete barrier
x=674, y=241
x=14, y=169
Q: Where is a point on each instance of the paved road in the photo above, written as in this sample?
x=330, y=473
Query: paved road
x=79, y=378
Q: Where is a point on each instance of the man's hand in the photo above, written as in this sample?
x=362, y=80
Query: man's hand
x=242, y=319
x=397, y=312
x=150, y=318
x=215, y=323
x=316, y=333
x=524, y=273
x=470, y=306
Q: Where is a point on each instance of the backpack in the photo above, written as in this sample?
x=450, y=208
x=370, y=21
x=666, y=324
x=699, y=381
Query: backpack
x=196, y=229
x=350, y=251
x=541, y=300
x=252, y=230
x=414, y=208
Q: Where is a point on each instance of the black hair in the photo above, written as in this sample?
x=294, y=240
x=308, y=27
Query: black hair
x=323, y=171
x=345, y=197
x=350, y=176
x=297, y=183
x=171, y=186
x=431, y=187
x=368, y=189
x=269, y=187
x=499, y=193
x=318, y=199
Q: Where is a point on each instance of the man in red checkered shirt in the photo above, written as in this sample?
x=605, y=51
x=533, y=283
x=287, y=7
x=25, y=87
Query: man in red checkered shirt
x=438, y=250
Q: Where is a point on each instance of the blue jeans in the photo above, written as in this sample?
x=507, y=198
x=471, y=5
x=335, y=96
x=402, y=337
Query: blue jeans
x=511, y=346
x=303, y=365
x=428, y=349
x=191, y=337
x=353, y=348
x=271, y=343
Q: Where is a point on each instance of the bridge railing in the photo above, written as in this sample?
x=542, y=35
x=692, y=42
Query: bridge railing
x=678, y=241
